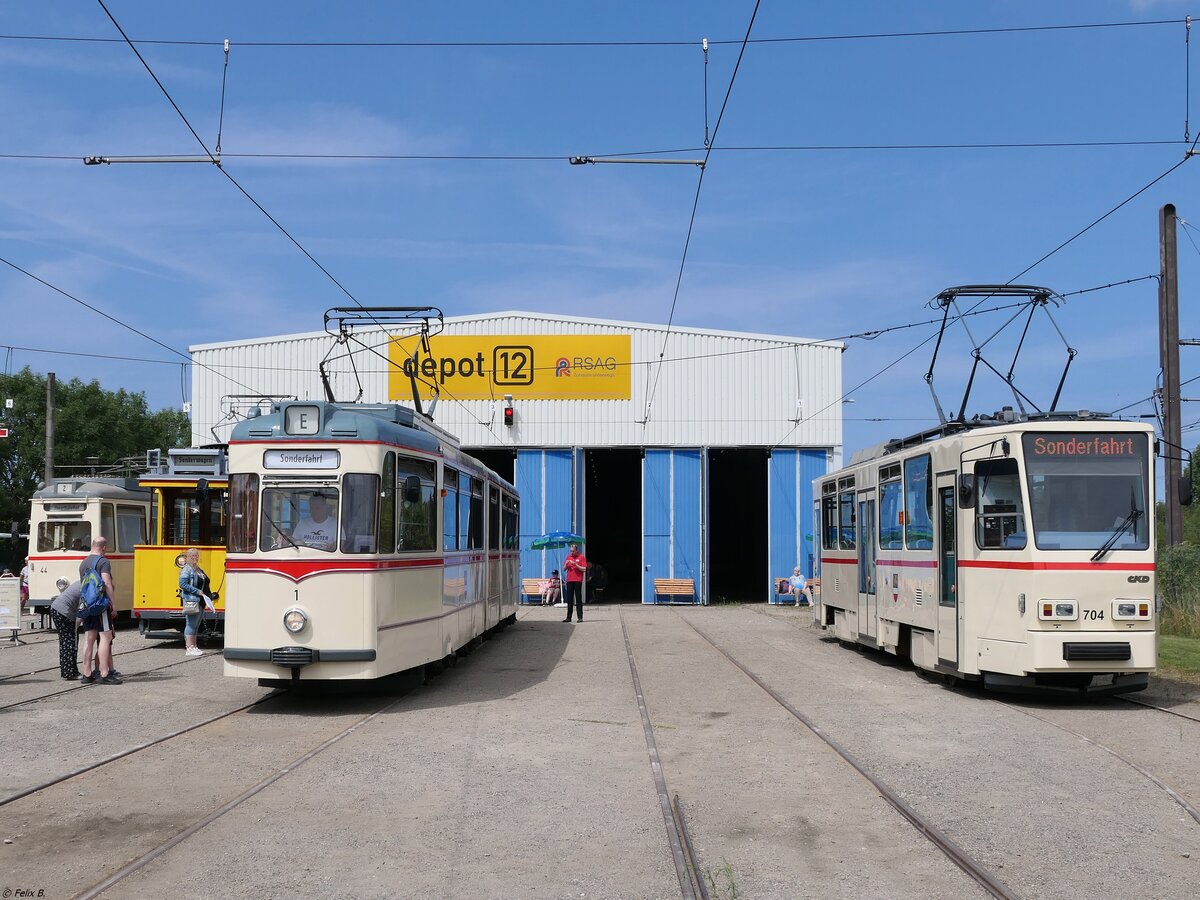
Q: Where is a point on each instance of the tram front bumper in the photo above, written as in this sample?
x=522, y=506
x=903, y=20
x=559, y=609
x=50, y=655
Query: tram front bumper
x=1092, y=651
x=295, y=657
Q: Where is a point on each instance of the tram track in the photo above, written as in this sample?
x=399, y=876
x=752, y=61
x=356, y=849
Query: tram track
x=54, y=668
x=683, y=854
x=155, y=852
x=78, y=686
x=953, y=852
x=1150, y=776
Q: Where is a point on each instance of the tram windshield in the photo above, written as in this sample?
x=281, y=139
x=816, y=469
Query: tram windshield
x=76, y=535
x=1085, y=486
x=299, y=517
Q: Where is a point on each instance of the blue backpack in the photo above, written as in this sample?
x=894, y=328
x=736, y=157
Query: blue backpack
x=92, y=600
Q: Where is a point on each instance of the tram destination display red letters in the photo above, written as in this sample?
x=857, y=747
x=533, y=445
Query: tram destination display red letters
x=1090, y=446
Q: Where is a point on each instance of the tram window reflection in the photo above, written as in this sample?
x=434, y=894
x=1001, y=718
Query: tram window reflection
x=999, y=509
x=360, y=494
x=417, y=520
x=243, y=505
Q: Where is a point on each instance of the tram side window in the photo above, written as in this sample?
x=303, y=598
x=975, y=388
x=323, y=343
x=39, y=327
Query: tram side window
x=360, y=495
x=918, y=501
x=387, y=504
x=847, y=525
x=829, y=522
x=243, y=512
x=891, y=516
x=449, y=509
x=131, y=527
x=999, y=510
x=417, y=521
x=475, y=521
x=108, y=522
x=510, y=524
x=494, y=519
x=64, y=536
x=464, y=511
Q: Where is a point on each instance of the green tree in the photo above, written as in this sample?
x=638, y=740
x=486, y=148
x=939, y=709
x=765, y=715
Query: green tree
x=88, y=422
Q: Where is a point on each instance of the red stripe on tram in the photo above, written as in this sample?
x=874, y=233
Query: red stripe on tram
x=298, y=570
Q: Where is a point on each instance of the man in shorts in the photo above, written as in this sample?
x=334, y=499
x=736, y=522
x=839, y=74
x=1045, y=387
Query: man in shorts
x=99, y=628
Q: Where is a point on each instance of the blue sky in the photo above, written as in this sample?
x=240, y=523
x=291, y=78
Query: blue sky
x=807, y=243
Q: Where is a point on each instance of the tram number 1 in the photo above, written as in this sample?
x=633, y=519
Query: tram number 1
x=1093, y=614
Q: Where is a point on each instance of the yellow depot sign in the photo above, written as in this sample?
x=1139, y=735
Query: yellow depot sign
x=528, y=366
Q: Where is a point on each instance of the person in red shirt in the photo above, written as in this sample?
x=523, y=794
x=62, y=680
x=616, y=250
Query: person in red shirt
x=576, y=568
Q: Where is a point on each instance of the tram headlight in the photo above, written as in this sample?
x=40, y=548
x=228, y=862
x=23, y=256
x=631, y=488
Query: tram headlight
x=294, y=620
x=62, y=584
x=1057, y=610
x=1131, y=608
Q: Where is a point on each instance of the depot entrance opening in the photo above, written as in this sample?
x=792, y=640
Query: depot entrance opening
x=737, y=529
x=614, y=524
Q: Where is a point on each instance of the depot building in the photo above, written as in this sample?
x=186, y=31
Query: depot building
x=678, y=453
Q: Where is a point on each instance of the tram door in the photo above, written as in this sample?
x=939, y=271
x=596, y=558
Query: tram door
x=868, y=611
x=947, y=639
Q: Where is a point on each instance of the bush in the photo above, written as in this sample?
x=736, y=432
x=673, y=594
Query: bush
x=1179, y=585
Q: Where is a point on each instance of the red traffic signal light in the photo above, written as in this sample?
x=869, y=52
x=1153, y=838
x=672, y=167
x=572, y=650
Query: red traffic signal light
x=508, y=416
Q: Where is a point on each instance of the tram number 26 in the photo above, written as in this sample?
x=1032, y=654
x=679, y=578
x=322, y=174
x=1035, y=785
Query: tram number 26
x=1093, y=614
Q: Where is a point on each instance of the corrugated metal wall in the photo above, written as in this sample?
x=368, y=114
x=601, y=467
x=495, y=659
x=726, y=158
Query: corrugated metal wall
x=714, y=389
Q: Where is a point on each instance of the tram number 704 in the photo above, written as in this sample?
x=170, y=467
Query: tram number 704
x=1093, y=614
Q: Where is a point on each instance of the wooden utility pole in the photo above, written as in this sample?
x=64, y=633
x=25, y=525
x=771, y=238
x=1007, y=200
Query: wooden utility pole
x=49, y=427
x=1168, y=345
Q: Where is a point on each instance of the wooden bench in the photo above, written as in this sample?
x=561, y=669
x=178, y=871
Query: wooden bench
x=531, y=588
x=814, y=587
x=675, y=588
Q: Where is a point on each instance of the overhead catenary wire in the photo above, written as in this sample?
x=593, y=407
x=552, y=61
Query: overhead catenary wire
x=859, y=36
x=692, y=218
x=558, y=157
x=117, y=321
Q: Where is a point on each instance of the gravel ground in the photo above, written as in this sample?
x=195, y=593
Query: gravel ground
x=523, y=772
x=1050, y=814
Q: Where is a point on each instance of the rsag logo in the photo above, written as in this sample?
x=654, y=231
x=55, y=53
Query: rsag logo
x=562, y=367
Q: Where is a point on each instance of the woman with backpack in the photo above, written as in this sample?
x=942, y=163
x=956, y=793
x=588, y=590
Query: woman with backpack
x=193, y=582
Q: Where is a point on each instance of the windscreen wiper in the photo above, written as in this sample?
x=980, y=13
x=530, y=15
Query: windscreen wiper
x=283, y=534
x=1126, y=523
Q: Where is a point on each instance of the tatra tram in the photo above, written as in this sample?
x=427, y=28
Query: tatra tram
x=1016, y=549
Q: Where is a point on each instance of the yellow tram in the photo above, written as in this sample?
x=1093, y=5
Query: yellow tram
x=190, y=498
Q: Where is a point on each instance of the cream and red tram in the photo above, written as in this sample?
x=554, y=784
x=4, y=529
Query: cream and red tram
x=1019, y=553
x=66, y=515
x=361, y=542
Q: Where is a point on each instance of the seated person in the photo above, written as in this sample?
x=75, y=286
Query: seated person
x=551, y=589
x=318, y=528
x=798, y=586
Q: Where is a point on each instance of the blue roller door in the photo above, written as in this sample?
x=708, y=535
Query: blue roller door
x=672, y=527
x=544, y=479
x=790, y=475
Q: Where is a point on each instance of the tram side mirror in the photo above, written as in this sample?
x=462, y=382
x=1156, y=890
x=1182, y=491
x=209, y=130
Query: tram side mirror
x=1185, y=491
x=201, y=491
x=412, y=489
x=966, y=491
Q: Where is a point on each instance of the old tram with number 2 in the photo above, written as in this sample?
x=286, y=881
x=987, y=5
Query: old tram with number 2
x=1019, y=552
x=362, y=542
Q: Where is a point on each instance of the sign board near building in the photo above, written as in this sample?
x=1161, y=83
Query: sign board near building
x=527, y=366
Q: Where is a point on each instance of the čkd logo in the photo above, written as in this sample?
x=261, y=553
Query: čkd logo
x=1138, y=579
